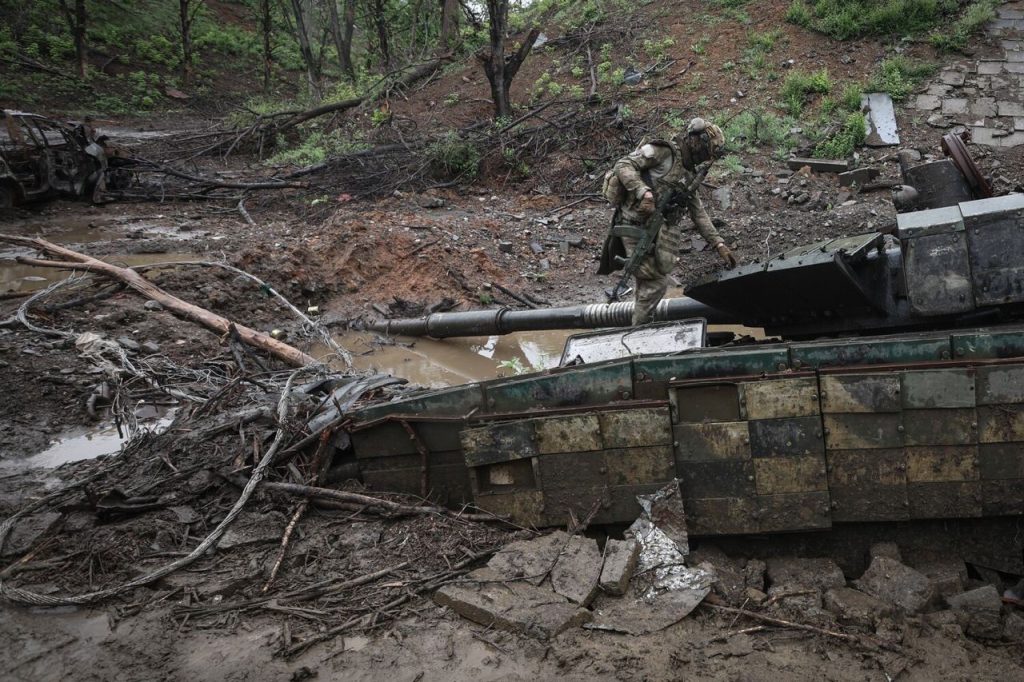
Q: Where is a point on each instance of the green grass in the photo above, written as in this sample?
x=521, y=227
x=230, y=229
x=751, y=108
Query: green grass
x=454, y=157
x=755, y=128
x=956, y=39
x=841, y=145
x=800, y=86
x=847, y=19
x=899, y=76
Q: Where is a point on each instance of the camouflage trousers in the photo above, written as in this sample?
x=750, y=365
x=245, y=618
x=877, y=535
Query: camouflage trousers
x=651, y=280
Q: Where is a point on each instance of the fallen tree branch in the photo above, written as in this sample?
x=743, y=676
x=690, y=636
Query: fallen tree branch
x=189, y=311
x=853, y=639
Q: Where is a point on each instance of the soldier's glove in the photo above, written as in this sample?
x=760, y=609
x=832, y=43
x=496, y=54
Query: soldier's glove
x=647, y=206
x=726, y=255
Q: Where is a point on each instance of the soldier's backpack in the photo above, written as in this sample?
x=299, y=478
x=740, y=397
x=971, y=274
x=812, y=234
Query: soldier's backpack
x=611, y=187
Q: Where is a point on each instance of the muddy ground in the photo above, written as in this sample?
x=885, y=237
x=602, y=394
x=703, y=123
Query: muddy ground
x=356, y=260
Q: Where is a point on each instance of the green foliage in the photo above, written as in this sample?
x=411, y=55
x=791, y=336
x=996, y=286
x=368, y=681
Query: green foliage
x=485, y=298
x=731, y=164
x=899, y=76
x=764, y=40
x=847, y=19
x=316, y=147
x=977, y=15
x=515, y=366
x=849, y=99
x=799, y=86
x=850, y=136
x=451, y=99
x=700, y=47
x=658, y=49
x=455, y=157
x=756, y=128
x=546, y=85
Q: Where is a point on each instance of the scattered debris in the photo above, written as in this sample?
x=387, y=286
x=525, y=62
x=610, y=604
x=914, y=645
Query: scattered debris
x=978, y=612
x=880, y=120
x=900, y=585
x=819, y=165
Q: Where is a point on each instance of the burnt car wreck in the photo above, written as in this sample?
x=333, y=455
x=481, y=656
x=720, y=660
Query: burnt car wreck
x=41, y=158
x=894, y=392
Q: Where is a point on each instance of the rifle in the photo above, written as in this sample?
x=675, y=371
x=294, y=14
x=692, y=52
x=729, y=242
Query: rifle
x=649, y=233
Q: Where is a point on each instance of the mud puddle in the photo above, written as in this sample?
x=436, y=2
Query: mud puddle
x=437, y=363
x=16, y=277
x=78, y=444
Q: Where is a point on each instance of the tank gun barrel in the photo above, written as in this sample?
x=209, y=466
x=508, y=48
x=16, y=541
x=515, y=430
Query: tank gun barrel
x=505, y=320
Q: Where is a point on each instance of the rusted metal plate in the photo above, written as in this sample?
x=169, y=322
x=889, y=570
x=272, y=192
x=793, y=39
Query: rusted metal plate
x=449, y=483
x=504, y=477
x=721, y=515
x=783, y=437
x=994, y=344
x=735, y=362
x=725, y=478
x=561, y=504
x=852, y=503
x=780, y=398
x=715, y=403
x=499, y=442
x=1000, y=423
x=881, y=350
x=995, y=242
x=1002, y=498
x=942, y=463
x=778, y=475
x=572, y=470
x=851, y=468
x=796, y=511
x=857, y=431
x=940, y=427
x=931, y=388
x=1000, y=384
x=525, y=508
x=635, y=466
x=1001, y=461
x=705, y=442
x=572, y=433
x=636, y=428
x=622, y=506
x=451, y=457
x=386, y=439
x=855, y=393
x=947, y=500
x=594, y=385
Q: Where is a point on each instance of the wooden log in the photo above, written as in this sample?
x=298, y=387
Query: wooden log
x=189, y=311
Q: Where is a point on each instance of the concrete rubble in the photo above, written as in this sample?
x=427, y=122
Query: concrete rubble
x=620, y=557
x=892, y=582
x=979, y=612
x=578, y=570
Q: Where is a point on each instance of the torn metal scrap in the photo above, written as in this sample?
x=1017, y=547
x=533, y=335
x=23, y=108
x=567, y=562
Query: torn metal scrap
x=880, y=120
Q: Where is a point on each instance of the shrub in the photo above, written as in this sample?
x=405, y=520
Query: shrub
x=846, y=19
x=899, y=76
x=977, y=15
x=755, y=127
x=800, y=86
x=454, y=156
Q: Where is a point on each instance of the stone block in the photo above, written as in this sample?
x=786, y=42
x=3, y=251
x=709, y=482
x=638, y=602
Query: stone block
x=1014, y=67
x=858, y=176
x=529, y=560
x=1012, y=140
x=1013, y=628
x=852, y=607
x=954, y=105
x=820, y=165
x=947, y=577
x=1018, y=123
x=620, y=558
x=578, y=570
x=990, y=68
x=515, y=606
x=979, y=612
x=897, y=584
x=928, y=102
x=887, y=549
x=953, y=77
x=753, y=573
x=1012, y=44
x=986, y=136
x=790, y=573
x=983, y=106
x=1015, y=56
x=1010, y=108
x=939, y=89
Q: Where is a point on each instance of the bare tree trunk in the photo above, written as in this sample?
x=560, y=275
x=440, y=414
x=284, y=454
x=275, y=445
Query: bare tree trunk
x=449, y=24
x=343, y=37
x=312, y=70
x=187, y=11
x=380, y=21
x=500, y=69
x=267, y=28
x=77, y=21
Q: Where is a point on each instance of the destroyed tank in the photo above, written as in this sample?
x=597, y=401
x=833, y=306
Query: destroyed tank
x=893, y=392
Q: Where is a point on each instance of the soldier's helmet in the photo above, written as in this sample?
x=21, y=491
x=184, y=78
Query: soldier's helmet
x=703, y=139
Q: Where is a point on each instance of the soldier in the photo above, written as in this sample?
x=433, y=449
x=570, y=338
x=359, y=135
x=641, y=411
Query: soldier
x=656, y=167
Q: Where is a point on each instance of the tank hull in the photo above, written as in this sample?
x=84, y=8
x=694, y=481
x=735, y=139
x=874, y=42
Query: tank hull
x=765, y=438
